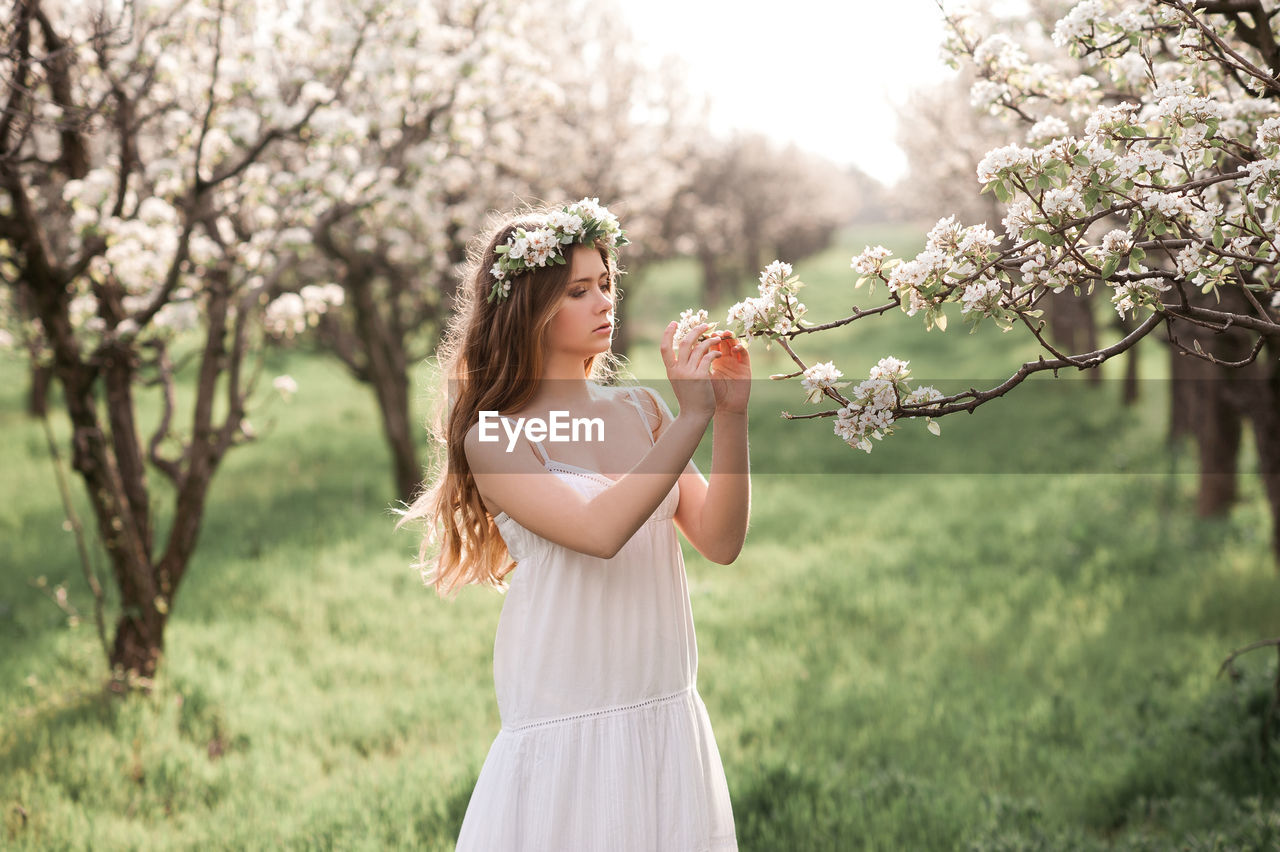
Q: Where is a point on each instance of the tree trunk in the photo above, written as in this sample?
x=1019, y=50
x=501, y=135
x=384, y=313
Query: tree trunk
x=1218, y=398
x=1072, y=327
x=1218, y=429
x=1182, y=396
x=1264, y=410
x=751, y=261
x=388, y=372
x=139, y=642
x=712, y=277
x=38, y=393
x=1129, y=392
x=392, y=392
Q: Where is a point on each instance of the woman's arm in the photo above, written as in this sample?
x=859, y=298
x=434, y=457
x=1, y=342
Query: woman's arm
x=601, y=525
x=597, y=526
x=714, y=516
x=726, y=507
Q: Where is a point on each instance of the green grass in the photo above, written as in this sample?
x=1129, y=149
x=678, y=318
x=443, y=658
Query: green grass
x=940, y=658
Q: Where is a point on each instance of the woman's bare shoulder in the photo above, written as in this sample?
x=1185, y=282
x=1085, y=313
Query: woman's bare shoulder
x=651, y=402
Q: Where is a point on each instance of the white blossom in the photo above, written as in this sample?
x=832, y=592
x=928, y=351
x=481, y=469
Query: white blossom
x=543, y=244
x=286, y=316
x=1107, y=118
x=981, y=295
x=1077, y=23
x=818, y=378
x=688, y=319
x=285, y=385
x=1003, y=159
x=1268, y=135
x=774, y=275
x=1117, y=241
x=871, y=259
x=1047, y=129
x=890, y=368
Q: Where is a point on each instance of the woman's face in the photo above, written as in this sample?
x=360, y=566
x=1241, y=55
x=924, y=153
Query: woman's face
x=583, y=324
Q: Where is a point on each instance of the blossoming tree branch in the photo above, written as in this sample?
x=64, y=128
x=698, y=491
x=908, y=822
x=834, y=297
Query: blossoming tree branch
x=1153, y=177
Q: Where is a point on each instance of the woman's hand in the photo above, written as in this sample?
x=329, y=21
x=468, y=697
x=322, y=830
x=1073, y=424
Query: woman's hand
x=731, y=375
x=689, y=369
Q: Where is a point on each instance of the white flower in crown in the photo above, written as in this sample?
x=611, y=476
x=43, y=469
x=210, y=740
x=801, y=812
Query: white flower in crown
x=568, y=224
x=543, y=243
x=585, y=222
x=589, y=208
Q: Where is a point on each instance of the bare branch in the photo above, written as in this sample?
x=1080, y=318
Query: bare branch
x=1227, y=51
x=164, y=365
x=77, y=529
x=279, y=133
x=950, y=404
x=207, y=118
x=1208, y=356
x=75, y=155
x=1227, y=664
x=19, y=86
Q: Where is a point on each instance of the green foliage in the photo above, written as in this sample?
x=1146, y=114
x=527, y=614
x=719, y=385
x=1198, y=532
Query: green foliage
x=979, y=661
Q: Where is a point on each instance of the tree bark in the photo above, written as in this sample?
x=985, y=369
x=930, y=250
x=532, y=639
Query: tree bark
x=388, y=372
x=392, y=392
x=1261, y=401
x=38, y=392
x=1072, y=327
x=712, y=278
x=1182, y=397
x=139, y=642
x=1216, y=399
x=1129, y=391
x=1218, y=429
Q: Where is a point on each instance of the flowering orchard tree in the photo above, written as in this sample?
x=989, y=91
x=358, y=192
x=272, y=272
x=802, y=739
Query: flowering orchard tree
x=465, y=108
x=746, y=198
x=1158, y=188
x=142, y=227
x=943, y=137
x=420, y=151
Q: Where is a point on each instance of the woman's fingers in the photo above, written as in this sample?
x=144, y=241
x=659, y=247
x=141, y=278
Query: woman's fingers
x=686, y=345
x=690, y=342
x=665, y=347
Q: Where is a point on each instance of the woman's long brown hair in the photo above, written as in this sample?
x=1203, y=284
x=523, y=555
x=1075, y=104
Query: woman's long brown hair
x=490, y=359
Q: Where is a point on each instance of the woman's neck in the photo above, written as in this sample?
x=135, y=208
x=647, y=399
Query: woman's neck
x=563, y=384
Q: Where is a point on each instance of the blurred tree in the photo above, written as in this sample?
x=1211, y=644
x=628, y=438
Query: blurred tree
x=746, y=197
x=189, y=181
x=1154, y=175
x=135, y=205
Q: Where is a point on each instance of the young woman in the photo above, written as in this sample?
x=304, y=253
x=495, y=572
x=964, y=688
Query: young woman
x=605, y=742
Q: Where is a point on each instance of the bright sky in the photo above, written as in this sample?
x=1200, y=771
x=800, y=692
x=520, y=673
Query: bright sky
x=824, y=74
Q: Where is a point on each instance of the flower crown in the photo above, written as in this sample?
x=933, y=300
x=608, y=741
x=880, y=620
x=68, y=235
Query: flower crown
x=585, y=222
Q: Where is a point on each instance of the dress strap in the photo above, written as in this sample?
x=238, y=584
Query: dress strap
x=537, y=445
x=644, y=417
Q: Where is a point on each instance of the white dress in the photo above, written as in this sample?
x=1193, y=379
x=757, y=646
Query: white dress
x=605, y=742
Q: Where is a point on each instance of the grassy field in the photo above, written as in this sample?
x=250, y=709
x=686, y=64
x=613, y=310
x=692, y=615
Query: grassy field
x=1004, y=638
